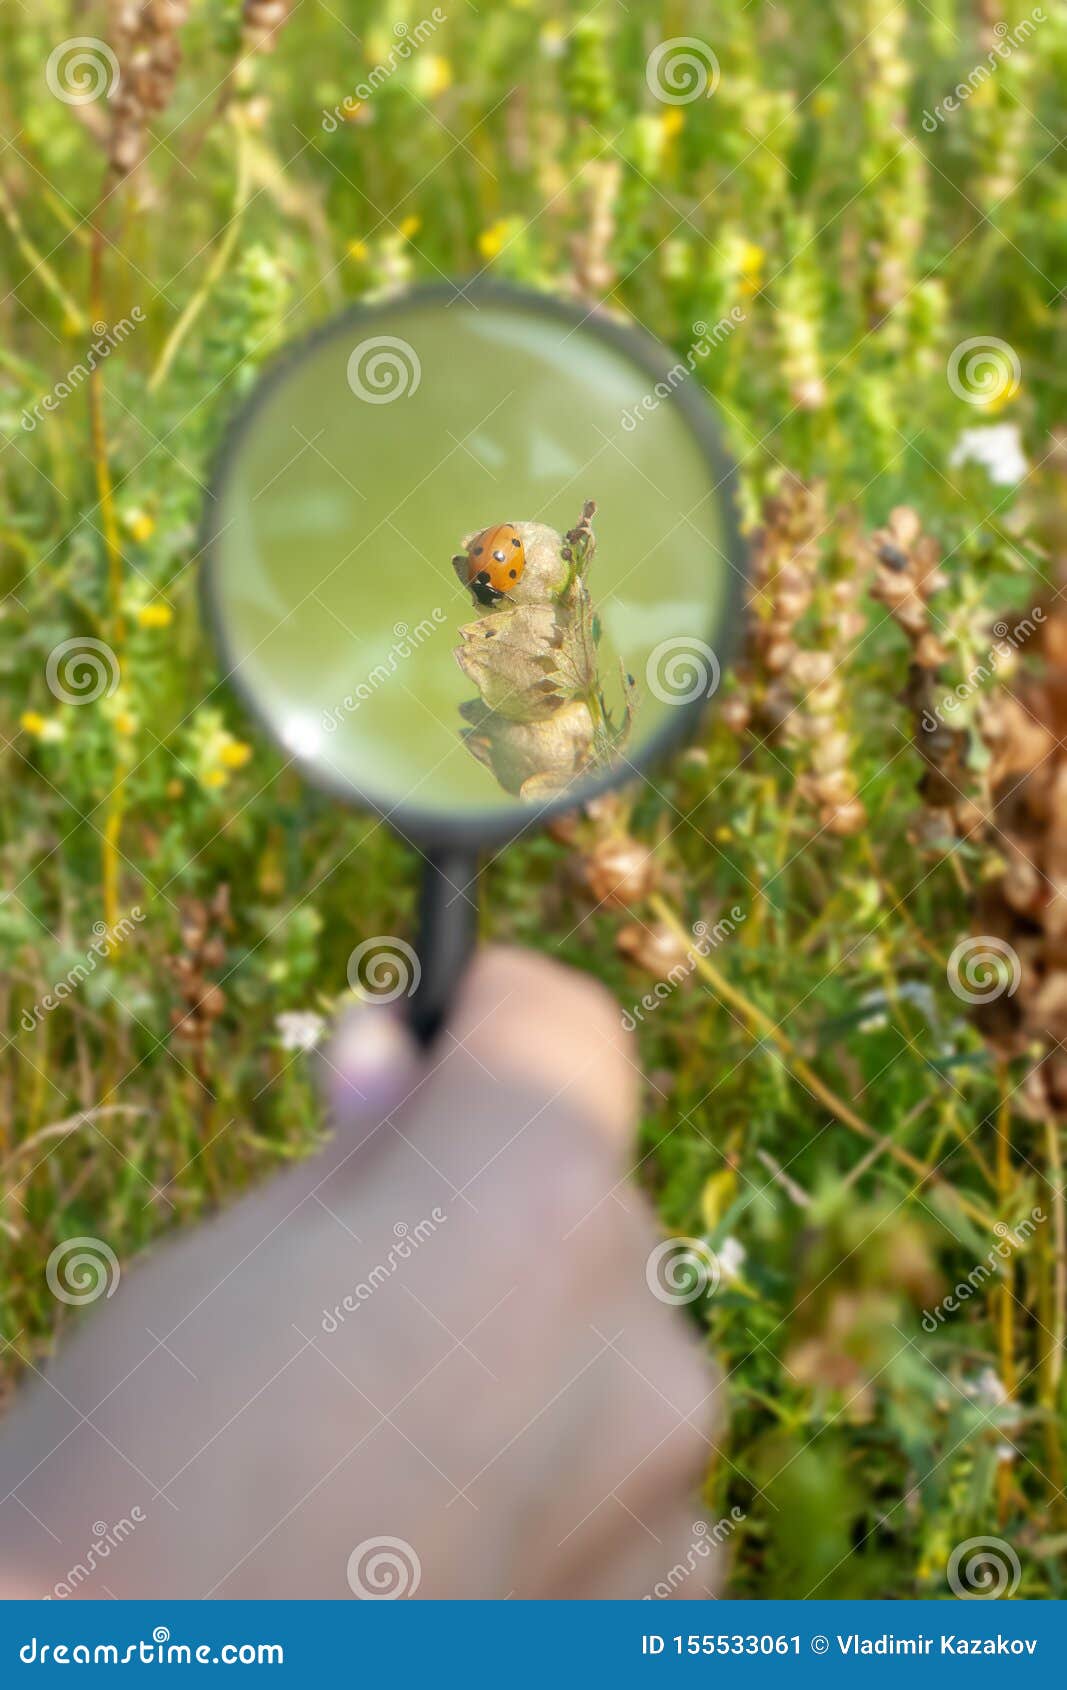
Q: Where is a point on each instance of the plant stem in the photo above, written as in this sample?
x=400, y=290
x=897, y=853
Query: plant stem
x=756, y=1019
x=1006, y=1290
x=113, y=550
x=220, y=257
x=39, y=264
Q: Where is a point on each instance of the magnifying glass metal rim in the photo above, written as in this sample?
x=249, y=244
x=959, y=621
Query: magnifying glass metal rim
x=490, y=828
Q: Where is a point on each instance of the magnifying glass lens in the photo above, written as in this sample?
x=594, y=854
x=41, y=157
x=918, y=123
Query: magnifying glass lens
x=406, y=577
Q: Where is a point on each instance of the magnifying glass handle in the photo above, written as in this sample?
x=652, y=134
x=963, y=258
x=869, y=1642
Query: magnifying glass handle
x=448, y=926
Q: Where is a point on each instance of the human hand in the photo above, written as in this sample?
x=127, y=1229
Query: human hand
x=436, y=1332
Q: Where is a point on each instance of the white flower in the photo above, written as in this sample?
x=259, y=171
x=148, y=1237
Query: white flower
x=730, y=1256
x=299, y=1029
x=998, y=449
x=990, y=1388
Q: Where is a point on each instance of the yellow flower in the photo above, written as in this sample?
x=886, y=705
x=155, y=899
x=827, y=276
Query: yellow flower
x=672, y=122
x=724, y=834
x=553, y=40
x=410, y=226
x=139, y=525
x=491, y=240
x=359, y=251
x=352, y=111
x=751, y=267
x=125, y=722
x=234, y=754
x=158, y=614
x=48, y=729
x=214, y=778
x=432, y=75
x=718, y=1194
x=1004, y=396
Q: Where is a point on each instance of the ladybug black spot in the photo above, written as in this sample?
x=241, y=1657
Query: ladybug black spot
x=514, y=575
x=478, y=551
x=516, y=542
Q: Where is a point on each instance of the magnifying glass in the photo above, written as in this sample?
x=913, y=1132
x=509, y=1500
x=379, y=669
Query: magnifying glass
x=471, y=557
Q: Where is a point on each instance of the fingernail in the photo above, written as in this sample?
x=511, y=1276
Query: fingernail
x=371, y=1064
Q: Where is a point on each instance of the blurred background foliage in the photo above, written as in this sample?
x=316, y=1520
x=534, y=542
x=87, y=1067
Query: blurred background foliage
x=858, y=238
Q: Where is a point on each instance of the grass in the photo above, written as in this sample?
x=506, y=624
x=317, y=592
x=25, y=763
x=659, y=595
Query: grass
x=817, y=1092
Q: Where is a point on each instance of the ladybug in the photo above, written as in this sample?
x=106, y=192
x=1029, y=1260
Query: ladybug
x=496, y=559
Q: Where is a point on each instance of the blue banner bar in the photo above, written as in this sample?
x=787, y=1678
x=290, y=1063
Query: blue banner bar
x=534, y=1643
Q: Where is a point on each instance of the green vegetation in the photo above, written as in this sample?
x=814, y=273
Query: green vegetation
x=819, y=1094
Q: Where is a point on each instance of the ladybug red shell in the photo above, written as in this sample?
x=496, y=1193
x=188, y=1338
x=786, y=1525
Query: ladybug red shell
x=495, y=562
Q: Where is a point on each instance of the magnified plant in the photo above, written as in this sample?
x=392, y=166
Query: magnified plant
x=541, y=718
